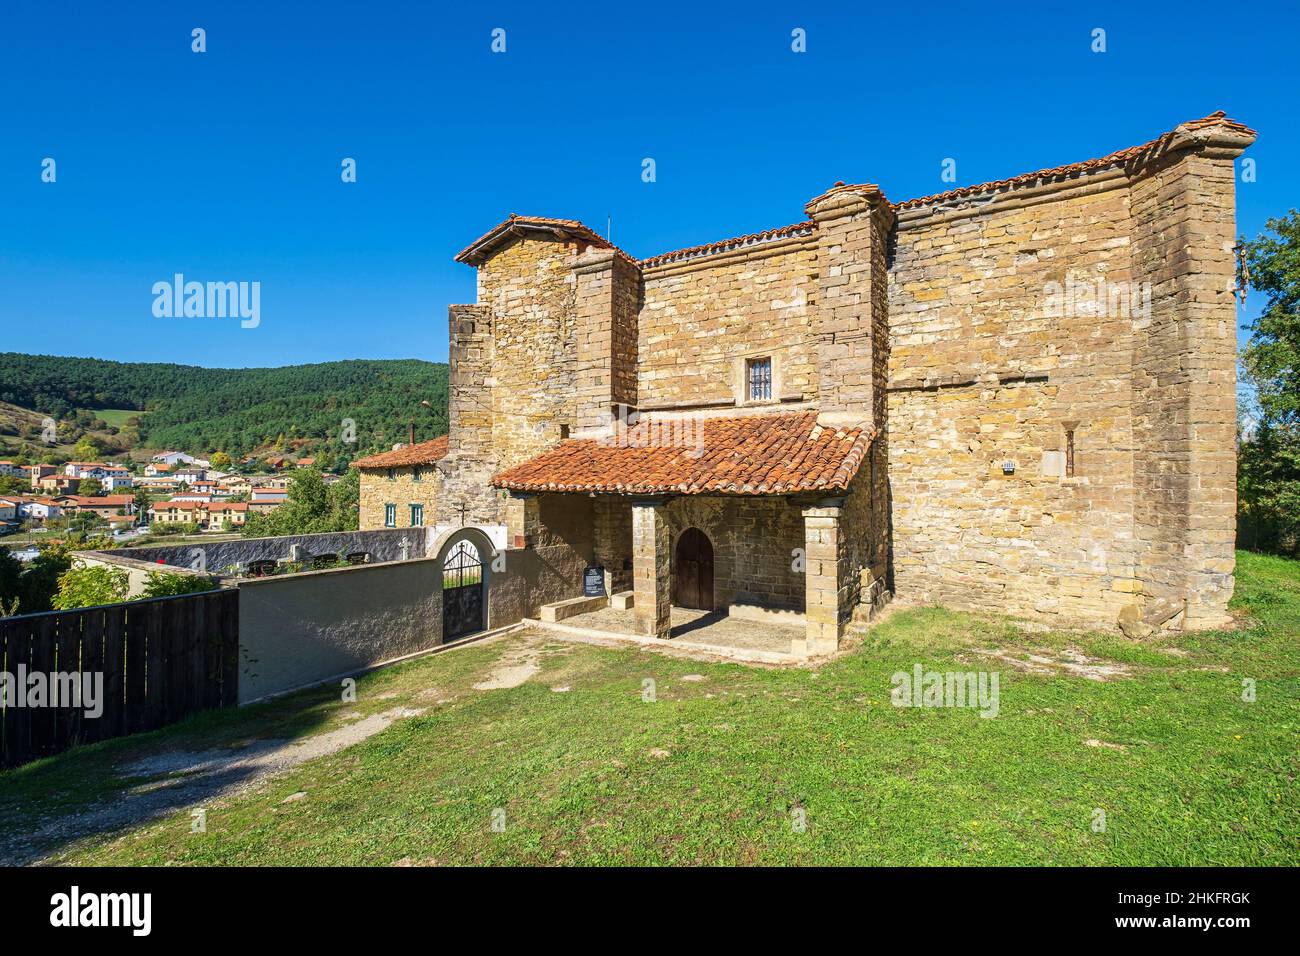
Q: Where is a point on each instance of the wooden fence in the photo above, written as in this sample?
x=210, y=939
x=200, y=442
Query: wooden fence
x=161, y=659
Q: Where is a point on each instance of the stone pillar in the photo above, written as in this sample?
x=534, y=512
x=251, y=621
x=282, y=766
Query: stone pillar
x=607, y=298
x=825, y=586
x=469, y=380
x=613, y=541
x=471, y=461
x=652, y=543
x=523, y=520
x=1184, y=376
x=852, y=322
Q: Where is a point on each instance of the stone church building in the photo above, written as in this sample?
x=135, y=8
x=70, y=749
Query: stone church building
x=1016, y=397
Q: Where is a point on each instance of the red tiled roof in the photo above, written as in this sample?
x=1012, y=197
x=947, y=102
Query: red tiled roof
x=750, y=455
x=726, y=245
x=102, y=501
x=842, y=187
x=183, y=505
x=481, y=249
x=421, y=453
x=1117, y=158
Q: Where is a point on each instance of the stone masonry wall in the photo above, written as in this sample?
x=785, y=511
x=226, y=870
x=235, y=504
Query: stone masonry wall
x=702, y=318
x=402, y=490
x=984, y=371
x=753, y=543
x=1184, y=387
x=529, y=288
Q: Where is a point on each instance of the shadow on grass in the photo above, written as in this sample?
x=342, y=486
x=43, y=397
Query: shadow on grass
x=99, y=789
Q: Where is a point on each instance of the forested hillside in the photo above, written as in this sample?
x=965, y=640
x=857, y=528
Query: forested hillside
x=239, y=410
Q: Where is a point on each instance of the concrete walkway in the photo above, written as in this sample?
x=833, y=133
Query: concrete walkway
x=711, y=632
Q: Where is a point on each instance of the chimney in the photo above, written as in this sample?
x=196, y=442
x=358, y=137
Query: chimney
x=412, y=433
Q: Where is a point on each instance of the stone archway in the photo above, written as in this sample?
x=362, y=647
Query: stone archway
x=693, y=570
x=464, y=569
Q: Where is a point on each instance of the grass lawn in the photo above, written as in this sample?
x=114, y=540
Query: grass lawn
x=716, y=769
x=117, y=417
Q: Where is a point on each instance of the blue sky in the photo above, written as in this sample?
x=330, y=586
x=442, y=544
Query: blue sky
x=225, y=165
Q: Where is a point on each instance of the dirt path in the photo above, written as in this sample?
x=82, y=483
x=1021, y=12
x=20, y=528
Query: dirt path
x=189, y=779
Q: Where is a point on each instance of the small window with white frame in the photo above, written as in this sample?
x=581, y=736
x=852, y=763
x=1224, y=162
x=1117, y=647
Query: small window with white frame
x=758, y=379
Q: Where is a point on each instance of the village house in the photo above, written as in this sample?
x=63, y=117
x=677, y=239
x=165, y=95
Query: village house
x=1016, y=396
x=36, y=510
x=95, y=469
x=105, y=506
x=177, y=458
x=189, y=475
x=9, y=470
x=262, y=500
x=38, y=472
x=234, y=485
x=208, y=515
x=399, y=487
x=59, y=484
x=158, y=486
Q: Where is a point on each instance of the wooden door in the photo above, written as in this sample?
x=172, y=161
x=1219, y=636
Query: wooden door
x=693, y=571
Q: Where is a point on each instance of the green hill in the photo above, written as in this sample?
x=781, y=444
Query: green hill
x=237, y=411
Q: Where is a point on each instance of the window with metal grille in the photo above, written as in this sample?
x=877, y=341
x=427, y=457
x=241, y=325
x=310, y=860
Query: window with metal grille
x=759, y=374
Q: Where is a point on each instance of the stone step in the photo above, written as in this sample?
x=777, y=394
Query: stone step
x=560, y=610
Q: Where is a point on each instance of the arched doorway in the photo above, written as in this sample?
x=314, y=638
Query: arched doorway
x=693, y=571
x=464, y=583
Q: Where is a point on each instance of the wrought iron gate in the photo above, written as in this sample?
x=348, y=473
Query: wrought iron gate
x=462, y=592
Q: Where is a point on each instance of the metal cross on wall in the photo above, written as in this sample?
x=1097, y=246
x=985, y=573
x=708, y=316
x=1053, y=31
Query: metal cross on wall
x=462, y=509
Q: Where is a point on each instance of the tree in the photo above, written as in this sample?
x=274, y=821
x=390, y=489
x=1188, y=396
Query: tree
x=1272, y=358
x=40, y=579
x=140, y=498
x=11, y=574
x=168, y=583
x=89, y=586
x=312, y=507
x=87, y=449
x=86, y=526
x=221, y=461
x=1268, y=474
x=89, y=487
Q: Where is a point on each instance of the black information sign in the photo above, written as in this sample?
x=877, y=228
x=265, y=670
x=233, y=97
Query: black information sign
x=593, y=582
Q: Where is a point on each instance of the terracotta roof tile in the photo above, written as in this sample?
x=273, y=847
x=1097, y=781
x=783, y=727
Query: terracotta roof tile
x=726, y=245
x=481, y=249
x=751, y=455
x=1117, y=158
x=421, y=453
